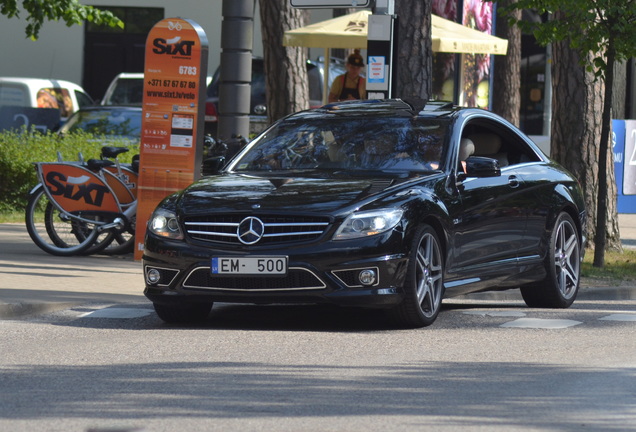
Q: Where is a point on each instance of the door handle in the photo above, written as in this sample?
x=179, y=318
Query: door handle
x=513, y=181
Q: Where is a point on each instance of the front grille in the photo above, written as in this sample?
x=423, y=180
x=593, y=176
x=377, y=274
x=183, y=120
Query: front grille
x=277, y=229
x=296, y=279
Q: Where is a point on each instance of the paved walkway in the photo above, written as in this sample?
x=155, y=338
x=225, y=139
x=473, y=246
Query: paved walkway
x=627, y=224
x=34, y=282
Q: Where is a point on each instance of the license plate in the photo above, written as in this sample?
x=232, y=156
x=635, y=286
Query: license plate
x=249, y=265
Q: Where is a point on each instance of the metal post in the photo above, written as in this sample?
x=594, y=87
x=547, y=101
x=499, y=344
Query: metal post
x=237, y=31
x=547, y=96
x=380, y=50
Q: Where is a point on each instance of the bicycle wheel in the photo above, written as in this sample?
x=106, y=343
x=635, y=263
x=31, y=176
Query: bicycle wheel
x=123, y=243
x=112, y=242
x=54, y=232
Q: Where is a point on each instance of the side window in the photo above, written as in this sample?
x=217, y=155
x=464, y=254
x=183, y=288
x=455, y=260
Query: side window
x=315, y=83
x=46, y=98
x=55, y=97
x=258, y=82
x=498, y=143
x=490, y=145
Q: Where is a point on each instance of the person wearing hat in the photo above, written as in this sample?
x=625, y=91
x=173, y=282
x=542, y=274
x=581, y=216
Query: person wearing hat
x=349, y=85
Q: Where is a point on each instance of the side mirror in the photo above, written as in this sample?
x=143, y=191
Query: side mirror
x=212, y=165
x=477, y=166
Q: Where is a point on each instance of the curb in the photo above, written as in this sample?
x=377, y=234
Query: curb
x=9, y=311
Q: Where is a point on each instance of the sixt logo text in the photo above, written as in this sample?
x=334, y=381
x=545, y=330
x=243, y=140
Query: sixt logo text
x=172, y=46
x=57, y=184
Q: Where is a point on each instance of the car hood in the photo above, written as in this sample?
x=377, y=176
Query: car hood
x=238, y=192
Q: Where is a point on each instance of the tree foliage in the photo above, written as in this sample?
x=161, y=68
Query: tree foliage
x=71, y=12
x=591, y=26
x=603, y=32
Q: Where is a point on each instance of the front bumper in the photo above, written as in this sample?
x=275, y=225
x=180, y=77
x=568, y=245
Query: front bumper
x=317, y=274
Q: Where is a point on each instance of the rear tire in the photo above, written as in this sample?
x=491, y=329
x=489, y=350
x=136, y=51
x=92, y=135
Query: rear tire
x=563, y=268
x=183, y=313
x=424, y=285
x=53, y=231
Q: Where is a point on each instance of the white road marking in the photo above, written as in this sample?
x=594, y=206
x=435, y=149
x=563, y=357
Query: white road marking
x=619, y=317
x=114, y=312
x=538, y=323
x=496, y=313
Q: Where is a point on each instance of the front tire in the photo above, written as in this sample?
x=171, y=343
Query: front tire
x=563, y=268
x=424, y=285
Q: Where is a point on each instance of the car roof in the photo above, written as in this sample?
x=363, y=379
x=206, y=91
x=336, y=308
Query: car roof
x=41, y=82
x=112, y=107
x=391, y=107
x=131, y=75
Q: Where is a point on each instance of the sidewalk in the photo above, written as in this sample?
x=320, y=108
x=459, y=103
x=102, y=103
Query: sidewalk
x=627, y=224
x=33, y=282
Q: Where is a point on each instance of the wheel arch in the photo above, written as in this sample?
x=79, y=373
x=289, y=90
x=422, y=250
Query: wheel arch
x=573, y=206
x=434, y=213
x=438, y=227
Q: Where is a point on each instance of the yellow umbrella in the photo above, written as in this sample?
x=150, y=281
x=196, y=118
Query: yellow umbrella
x=350, y=31
x=451, y=37
x=347, y=31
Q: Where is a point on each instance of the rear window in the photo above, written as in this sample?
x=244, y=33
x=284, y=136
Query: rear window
x=14, y=95
x=115, y=122
x=128, y=91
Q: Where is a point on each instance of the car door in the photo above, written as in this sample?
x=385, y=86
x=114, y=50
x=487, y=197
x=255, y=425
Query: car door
x=490, y=223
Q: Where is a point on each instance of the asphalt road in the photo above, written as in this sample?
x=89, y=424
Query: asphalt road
x=88, y=354
x=485, y=365
x=33, y=282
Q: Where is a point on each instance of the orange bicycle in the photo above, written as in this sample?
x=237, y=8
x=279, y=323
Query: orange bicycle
x=84, y=207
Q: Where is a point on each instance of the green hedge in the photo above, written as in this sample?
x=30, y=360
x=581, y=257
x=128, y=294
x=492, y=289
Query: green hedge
x=18, y=151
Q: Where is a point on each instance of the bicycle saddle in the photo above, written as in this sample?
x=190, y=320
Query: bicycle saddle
x=97, y=164
x=112, y=152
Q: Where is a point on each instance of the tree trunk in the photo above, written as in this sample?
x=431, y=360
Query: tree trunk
x=619, y=92
x=287, y=88
x=414, y=52
x=507, y=74
x=576, y=127
x=606, y=169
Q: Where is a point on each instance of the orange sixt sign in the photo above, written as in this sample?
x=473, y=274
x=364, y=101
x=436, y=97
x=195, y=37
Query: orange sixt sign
x=173, y=47
x=173, y=115
x=76, y=188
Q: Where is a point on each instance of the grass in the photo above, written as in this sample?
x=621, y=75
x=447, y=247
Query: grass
x=618, y=266
x=12, y=217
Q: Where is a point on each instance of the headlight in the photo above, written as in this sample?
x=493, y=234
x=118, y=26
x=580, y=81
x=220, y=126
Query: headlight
x=368, y=223
x=164, y=223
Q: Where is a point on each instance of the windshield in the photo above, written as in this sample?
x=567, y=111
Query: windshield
x=352, y=143
x=106, y=122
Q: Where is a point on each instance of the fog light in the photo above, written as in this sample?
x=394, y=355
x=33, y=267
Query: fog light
x=153, y=276
x=367, y=277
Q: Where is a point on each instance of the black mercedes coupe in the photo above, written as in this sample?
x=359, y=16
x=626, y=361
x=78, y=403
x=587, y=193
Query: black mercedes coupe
x=390, y=204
